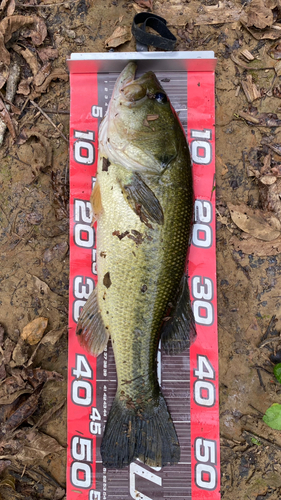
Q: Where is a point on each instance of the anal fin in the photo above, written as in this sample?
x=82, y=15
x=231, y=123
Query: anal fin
x=179, y=332
x=91, y=331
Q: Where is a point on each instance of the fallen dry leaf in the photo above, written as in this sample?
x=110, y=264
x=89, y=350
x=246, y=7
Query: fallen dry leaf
x=34, y=218
x=254, y=222
x=121, y=35
x=7, y=119
x=41, y=286
x=272, y=33
x=34, y=331
x=22, y=413
x=47, y=54
x=11, y=7
x=42, y=74
x=4, y=73
x=8, y=26
x=146, y=4
x=50, y=413
x=57, y=74
x=37, y=376
x=30, y=58
x=4, y=464
x=36, y=149
x=20, y=353
x=258, y=13
x=53, y=336
x=35, y=446
x=57, y=252
x=24, y=86
x=270, y=197
x=38, y=31
x=256, y=247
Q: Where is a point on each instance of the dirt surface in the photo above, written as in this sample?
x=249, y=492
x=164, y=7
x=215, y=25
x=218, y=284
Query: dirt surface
x=34, y=230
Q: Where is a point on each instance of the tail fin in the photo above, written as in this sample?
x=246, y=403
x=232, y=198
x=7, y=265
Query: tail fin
x=146, y=433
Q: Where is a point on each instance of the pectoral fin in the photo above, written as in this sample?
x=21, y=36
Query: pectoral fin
x=179, y=331
x=143, y=201
x=91, y=331
x=96, y=201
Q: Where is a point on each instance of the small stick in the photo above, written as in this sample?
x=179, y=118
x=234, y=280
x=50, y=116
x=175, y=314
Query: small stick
x=49, y=120
x=54, y=112
x=48, y=4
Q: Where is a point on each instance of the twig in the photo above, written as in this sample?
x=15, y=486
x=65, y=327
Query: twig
x=268, y=341
x=54, y=112
x=47, y=4
x=264, y=441
x=269, y=328
x=49, y=120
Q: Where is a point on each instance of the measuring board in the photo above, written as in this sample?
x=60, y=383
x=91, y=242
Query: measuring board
x=189, y=381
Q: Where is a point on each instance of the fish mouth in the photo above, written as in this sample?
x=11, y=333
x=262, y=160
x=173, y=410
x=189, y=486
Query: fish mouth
x=126, y=77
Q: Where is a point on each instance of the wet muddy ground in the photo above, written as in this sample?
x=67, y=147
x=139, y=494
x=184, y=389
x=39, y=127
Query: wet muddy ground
x=34, y=232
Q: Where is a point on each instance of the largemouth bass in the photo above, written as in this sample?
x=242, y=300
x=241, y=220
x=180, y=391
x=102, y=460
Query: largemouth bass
x=143, y=203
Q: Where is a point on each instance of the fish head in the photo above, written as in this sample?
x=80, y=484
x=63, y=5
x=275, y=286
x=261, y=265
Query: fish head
x=141, y=129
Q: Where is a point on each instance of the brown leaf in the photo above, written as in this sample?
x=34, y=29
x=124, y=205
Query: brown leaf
x=9, y=346
x=24, y=86
x=34, y=331
x=22, y=413
x=20, y=353
x=35, y=446
x=4, y=74
x=41, y=151
x=254, y=222
x=47, y=54
x=8, y=26
x=53, y=336
x=38, y=31
x=256, y=247
x=50, y=413
x=3, y=373
x=57, y=74
x=11, y=8
x=7, y=119
x=4, y=464
x=147, y=4
x=34, y=218
x=42, y=74
x=121, y=35
x=266, y=34
x=3, y=4
x=57, y=252
x=30, y=58
x=258, y=14
x=37, y=376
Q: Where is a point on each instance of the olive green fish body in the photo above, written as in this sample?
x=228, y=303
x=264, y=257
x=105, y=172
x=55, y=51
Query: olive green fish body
x=143, y=204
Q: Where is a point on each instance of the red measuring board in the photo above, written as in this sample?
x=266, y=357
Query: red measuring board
x=189, y=381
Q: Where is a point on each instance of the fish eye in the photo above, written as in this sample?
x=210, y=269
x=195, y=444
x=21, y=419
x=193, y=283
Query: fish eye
x=161, y=97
